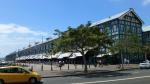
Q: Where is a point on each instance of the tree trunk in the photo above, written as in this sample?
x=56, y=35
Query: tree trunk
x=85, y=63
x=75, y=64
x=68, y=63
x=51, y=65
x=122, y=62
x=145, y=56
x=42, y=67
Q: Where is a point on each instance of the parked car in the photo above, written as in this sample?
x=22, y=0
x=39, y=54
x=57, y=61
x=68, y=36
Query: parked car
x=145, y=65
x=3, y=63
x=17, y=74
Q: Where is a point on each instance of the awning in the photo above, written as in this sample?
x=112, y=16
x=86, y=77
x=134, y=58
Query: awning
x=74, y=55
x=64, y=55
x=102, y=55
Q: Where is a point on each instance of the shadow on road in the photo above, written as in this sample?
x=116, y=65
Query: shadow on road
x=96, y=74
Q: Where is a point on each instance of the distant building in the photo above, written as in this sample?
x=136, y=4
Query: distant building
x=11, y=57
x=146, y=35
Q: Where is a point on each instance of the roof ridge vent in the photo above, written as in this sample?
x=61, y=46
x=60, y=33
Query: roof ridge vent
x=131, y=9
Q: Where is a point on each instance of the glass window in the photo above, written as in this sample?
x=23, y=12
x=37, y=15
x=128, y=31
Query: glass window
x=101, y=29
x=114, y=28
x=139, y=30
x=121, y=36
x=122, y=22
x=115, y=22
x=2, y=70
x=132, y=24
x=128, y=18
x=121, y=28
x=117, y=37
x=128, y=23
x=133, y=29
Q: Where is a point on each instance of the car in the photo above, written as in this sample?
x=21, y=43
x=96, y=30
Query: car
x=145, y=65
x=3, y=63
x=18, y=74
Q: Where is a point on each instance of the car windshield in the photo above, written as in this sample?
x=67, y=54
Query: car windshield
x=26, y=69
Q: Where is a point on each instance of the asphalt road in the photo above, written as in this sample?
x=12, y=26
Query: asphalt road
x=120, y=77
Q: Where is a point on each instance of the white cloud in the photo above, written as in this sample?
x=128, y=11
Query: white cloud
x=146, y=2
x=13, y=36
x=13, y=28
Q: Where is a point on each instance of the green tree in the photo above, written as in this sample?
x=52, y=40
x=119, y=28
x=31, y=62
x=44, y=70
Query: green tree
x=129, y=43
x=146, y=49
x=82, y=39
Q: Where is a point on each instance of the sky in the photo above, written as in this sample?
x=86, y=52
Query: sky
x=23, y=22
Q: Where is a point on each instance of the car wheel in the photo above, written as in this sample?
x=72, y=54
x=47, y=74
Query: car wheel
x=32, y=81
x=1, y=81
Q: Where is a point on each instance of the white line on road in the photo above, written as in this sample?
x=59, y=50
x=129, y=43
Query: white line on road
x=113, y=80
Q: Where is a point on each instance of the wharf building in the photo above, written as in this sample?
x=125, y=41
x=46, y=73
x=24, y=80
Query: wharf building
x=115, y=25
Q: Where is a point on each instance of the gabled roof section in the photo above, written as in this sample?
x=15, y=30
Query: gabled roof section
x=117, y=16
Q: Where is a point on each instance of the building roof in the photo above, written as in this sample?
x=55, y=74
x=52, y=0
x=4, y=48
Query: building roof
x=115, y=17
x=146, y=28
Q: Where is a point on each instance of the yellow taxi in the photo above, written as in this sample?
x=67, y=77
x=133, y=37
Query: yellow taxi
x=17, y=74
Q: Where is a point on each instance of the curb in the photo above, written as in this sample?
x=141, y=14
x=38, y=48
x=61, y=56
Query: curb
x=82, y=74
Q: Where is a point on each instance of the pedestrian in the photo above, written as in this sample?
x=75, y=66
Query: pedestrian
x=128, y=61
x=125, y=61
x=100, y=63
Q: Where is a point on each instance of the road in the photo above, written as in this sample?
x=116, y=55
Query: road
x=120, y=77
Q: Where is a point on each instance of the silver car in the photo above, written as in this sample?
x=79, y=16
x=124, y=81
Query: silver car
x=145, y=65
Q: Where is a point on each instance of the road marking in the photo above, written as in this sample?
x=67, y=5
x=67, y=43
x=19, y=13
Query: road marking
x=113, y=80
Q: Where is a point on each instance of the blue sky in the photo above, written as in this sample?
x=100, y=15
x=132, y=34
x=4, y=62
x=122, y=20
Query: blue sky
x=25, y=21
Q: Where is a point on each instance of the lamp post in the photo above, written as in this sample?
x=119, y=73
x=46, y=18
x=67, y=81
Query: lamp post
x=51, y=50
x=42, y=56
x=16, y=56
x=51, y=56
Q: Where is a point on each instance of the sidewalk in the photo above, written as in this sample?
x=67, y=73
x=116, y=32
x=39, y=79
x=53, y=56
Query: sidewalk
x=47, y=73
